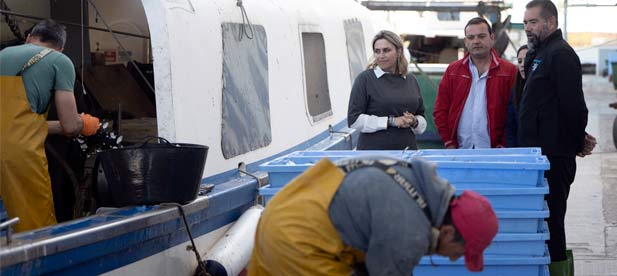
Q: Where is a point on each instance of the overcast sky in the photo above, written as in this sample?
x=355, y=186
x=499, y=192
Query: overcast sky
x=580, y=19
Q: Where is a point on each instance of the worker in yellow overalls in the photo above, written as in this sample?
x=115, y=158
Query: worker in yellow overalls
x=369, y=215
x=30, y=75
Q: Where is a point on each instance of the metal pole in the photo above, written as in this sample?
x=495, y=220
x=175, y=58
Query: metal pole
x=565, y=20
x=7, y=225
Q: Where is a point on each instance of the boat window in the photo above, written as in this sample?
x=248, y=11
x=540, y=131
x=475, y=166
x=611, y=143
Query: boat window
x=356, y=51
x=246, y=103
x=316, y=76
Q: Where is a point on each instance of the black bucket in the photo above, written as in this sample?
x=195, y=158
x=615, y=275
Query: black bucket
x=150, y=173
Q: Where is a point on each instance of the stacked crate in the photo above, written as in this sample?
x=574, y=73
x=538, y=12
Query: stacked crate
x=511, y=179
x=514, y=184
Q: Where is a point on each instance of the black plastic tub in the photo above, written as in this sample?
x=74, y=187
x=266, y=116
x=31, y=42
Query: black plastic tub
x=150, y=173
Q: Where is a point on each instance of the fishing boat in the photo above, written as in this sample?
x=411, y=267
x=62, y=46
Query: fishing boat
x=252, y=80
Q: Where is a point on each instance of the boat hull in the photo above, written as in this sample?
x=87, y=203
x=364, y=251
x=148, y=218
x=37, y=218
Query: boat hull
x=148, y=240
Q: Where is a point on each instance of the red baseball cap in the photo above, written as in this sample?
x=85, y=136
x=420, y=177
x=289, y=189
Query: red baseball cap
x=475, y=220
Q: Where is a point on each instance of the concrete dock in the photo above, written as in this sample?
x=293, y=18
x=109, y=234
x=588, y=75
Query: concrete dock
x=591, y=220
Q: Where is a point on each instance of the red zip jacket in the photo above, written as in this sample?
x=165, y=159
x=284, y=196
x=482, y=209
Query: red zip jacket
x=454, y=89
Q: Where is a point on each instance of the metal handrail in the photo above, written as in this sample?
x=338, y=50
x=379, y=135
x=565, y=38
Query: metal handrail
x=7, y=225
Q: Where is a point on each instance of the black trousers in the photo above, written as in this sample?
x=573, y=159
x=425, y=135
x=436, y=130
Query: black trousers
x=560, y=177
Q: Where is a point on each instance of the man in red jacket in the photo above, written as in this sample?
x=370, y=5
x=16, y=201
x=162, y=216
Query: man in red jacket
x=471, y=105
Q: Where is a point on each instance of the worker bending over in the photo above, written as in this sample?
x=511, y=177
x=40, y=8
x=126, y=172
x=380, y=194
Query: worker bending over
x=369, y=215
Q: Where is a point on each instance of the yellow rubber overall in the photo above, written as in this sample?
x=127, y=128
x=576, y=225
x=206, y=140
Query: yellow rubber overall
x=25, y=186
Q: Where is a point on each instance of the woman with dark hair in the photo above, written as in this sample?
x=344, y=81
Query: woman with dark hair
x=515, y=98
x=385, y=104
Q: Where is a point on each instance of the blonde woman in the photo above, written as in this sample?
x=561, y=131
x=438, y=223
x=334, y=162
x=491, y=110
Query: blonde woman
x=385, y=103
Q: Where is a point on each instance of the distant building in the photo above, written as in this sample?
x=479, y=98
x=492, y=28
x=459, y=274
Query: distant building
x=594, y=49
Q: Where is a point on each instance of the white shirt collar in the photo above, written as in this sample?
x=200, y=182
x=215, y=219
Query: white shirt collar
x=474, y=70
x=379, y=72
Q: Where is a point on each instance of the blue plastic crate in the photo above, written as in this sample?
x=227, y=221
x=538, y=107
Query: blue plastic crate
x=521, y=221
x=513, y=199
x=280, y=179
x=484, y=173
x=467, y=170
x=424, y=152
x=516, y=159
x=500, y=151
x=510, y=221
x=517, y=198
x=493, y=265
x=521, y=244
x=299, y=158
x=350, y=153
x=268, y=192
